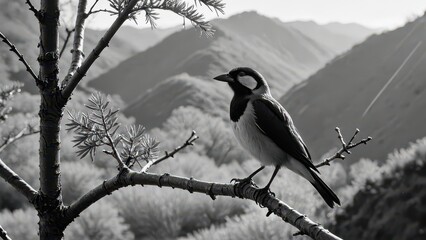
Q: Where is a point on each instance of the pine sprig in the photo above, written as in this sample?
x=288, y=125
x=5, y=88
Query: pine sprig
x=180, y=7
x=138, y=146
x=92, y=129
x=100, y=127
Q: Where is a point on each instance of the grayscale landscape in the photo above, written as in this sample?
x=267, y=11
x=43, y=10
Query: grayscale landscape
x=326, y=75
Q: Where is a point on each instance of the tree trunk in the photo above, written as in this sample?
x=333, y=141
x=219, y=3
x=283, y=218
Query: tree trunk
x=50, y=201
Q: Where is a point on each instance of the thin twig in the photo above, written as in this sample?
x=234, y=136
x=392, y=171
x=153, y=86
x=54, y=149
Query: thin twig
x=345, y=147
x=20, y=56
x=101, y=10
x=189, y=142
x=91, y=8
x=33, y=9
x=3, y=234
x=91, y=11
x=67, y=38
x=10, y=139
x=115, y=152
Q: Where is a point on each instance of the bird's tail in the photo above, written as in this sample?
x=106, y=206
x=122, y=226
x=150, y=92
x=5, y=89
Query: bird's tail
x=325, y=191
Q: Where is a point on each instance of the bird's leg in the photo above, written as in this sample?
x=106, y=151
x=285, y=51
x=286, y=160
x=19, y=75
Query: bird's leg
x=264, y=191
x=249, y=178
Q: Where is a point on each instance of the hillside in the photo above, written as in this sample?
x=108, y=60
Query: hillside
x=178, y=88
x=284, y=55
x=337, y=37
x=19, y=27
x=392, y=207
x=338, y=94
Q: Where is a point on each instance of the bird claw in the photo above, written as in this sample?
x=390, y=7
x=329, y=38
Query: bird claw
x=243, y=181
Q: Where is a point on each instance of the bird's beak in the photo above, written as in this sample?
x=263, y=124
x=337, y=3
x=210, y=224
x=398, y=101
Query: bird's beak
x=224, y=78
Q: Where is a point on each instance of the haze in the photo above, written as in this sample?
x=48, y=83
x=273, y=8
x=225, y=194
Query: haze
x=375, y=14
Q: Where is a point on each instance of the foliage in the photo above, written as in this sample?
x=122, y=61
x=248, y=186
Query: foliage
x=217, y=140
x=20, y=224
x=100, y=128
x=78, y=178
x=179, y=7
x=101, y=221
x=393, y=205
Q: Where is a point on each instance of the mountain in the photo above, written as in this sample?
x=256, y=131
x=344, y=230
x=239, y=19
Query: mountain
x=283, y=54
x=20, y=27
x=338, y=94
x=337, y=37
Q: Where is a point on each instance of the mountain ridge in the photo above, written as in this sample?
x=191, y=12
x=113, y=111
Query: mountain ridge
x=338, y=94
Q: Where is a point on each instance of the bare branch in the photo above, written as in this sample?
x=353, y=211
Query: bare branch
x=345, y=147
x=247, y=191
x=77, y=49
x=33, y=9
x=20, y=56
x=3, y=234
x=93, y=5
x=189, y=142
x=70, y=83
x=17, y=182
x=67, y=38
x=21, y=134
x=101, y=10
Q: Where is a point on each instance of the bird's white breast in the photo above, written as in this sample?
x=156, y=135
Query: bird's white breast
x=254, y=141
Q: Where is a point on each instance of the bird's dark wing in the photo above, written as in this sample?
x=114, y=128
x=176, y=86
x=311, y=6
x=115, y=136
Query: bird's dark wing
x=274, y=121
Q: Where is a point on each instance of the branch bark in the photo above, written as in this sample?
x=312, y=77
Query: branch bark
x=247, y=191
x=77, y=49
x=17, y=182
x=69, y=84
x=3, y=234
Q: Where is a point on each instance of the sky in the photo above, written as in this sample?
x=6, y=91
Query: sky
x=387, y=14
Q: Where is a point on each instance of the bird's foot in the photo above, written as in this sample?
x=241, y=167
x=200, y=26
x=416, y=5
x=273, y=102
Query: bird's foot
x=243, y=181
x=261, y=193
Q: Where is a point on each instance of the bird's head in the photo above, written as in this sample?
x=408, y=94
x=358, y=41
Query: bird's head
x=245, y=81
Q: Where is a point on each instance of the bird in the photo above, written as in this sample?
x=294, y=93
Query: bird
x=266, y=130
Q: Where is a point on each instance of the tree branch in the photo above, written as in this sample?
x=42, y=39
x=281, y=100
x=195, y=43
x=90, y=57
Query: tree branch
x=20, y=56
x=67, y=38
x=77, y=50
x=33, y=9
x=70, y=83
x=17, y=182
x=3, y=234
x=247, y=191
x=345, y=147
x=10, y=139
x=189, y=142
